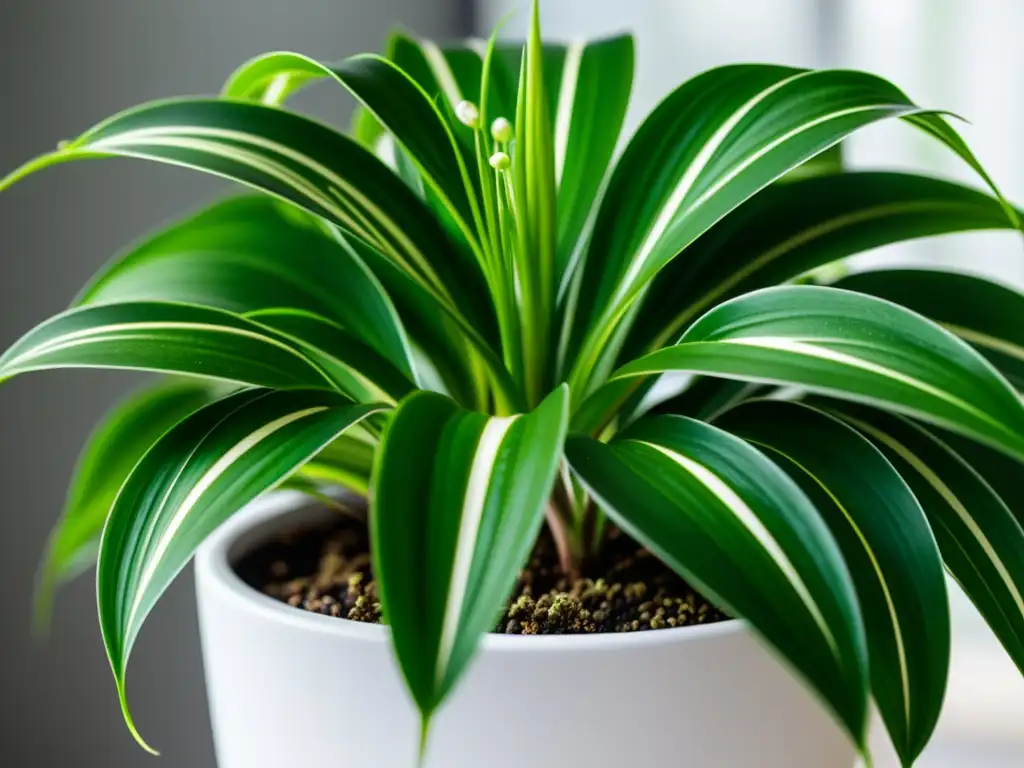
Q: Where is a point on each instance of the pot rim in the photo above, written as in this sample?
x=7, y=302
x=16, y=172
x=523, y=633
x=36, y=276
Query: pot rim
x=215, y=572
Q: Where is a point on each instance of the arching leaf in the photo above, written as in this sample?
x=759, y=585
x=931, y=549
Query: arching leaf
x=853, y=346
x=195, y=477
x=740, y=530
x=886, y=543
x=985, y=314
x=166, y=338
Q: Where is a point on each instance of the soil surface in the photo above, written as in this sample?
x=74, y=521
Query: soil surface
x=624, y=589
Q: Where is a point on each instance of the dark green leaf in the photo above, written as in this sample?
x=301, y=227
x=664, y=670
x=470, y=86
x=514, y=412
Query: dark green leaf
x=888, y=546
x=854, y=346
x=167, y=338
x=740, y=530
x=985, y=314
x=195, y=477
x=981, y=539
x=396, y=101
x=713, y=143
x=458, y=502
x=790, y=229
x=302, y=161
x=110, y=454
x=354, y=367
x=253, y=253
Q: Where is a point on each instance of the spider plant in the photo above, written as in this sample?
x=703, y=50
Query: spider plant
x=460, y=308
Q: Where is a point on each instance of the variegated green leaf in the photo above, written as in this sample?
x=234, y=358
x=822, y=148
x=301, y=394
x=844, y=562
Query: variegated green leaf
x=396, y=101
x=353, y=366
x=741, y=531
x=886, y=543
x=853, y=346
x=986, y=315
x=305, y=162
x=981, y=538
x=166, y=338
x=196, y=476
x=254, y=253
x=712, y=144
x=790, y=229
x=110, y=454
x=459, y=498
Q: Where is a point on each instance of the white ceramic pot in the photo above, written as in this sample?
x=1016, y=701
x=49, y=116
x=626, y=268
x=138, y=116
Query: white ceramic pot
x=290, y=689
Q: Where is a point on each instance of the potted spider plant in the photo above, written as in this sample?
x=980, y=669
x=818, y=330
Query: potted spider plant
x=458, y=311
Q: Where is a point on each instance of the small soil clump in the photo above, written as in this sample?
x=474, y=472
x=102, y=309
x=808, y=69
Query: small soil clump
x=624, y=589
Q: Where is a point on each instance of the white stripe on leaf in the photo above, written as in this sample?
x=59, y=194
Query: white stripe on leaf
x=219, y=468
x=949, y=497
x=441, y=70
x=690, y=176
x=749, y=519
x=809, y=349
x=469, y=527
x=566, y=97
x=190, y=137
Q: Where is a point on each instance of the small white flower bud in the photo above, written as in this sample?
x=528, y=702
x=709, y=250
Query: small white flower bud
x=501, y=130
x=500, y=161
x=468, y=114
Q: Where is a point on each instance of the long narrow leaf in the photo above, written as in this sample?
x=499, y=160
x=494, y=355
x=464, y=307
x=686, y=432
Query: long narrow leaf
x=790, y=229
x=887, y=544
x=302, y=161
x=254, y=253
x=739, y=529
x=353, y=366
x=167, y=338
x=984, y=314
x=195, y=477
x=853, y=346
x=110, y=454
x=395, y=100
x=711, y=145
x=981, y=539
x=458, y=501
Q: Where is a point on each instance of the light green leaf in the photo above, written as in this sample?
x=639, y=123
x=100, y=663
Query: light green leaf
x=741, y=531
x=712, y=144
x=853, y=346
x=888, y=546
x=166, y=338
x=536, y=195
x=984, y=314
x=195, y=477
x=790, y=229
x=251, y=253
x=981, y=539
x=110, y=454
x=458, y=502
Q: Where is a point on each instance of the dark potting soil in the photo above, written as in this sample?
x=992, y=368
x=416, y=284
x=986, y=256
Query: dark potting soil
x=328, y=570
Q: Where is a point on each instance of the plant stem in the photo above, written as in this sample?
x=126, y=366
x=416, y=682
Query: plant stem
x=563, y=546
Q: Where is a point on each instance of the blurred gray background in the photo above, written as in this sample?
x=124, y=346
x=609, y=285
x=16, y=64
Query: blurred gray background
x=69, y=63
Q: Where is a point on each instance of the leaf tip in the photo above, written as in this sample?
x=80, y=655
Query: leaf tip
x=129, y=721
x=42, y=600
x=421, y=759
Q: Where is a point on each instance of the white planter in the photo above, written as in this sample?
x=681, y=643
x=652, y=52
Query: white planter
x=290, y=689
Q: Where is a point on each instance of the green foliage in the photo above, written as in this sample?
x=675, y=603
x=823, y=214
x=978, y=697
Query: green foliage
x=465, y=302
